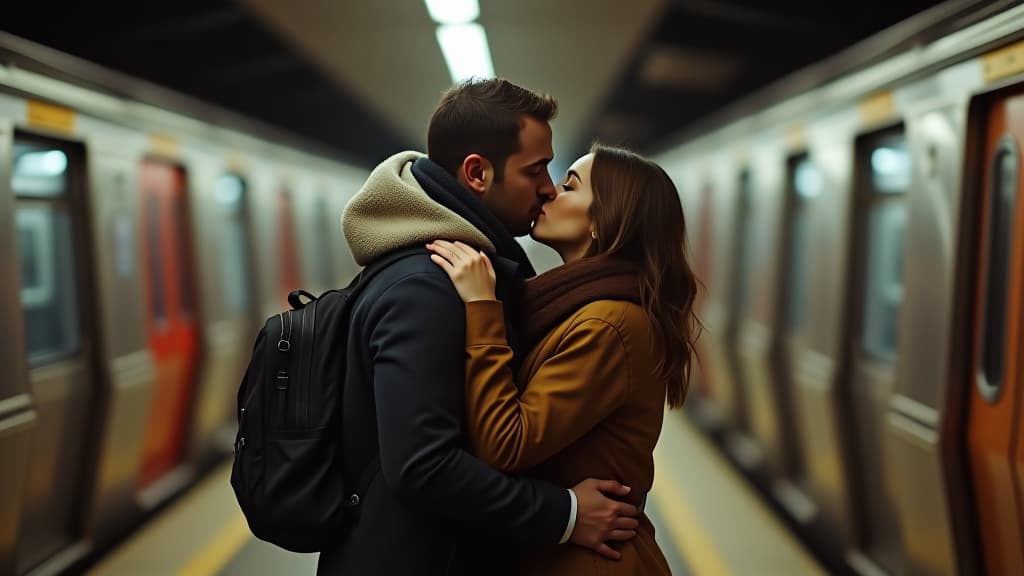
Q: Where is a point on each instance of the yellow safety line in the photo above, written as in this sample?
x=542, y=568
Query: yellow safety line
x=219, y=550
x=688, y=532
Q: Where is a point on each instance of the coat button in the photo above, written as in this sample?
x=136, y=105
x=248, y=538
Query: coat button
x=353, y=500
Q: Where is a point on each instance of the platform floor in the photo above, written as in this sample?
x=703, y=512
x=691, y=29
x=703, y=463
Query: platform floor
x=709, y=522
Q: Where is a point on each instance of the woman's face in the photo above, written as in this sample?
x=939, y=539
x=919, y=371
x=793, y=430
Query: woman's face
x=564, y=223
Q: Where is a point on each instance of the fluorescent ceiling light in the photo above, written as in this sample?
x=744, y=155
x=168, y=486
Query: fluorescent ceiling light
x=453, y=11
x=465, y=51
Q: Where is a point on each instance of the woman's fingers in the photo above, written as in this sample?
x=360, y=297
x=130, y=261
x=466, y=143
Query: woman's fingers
x=465, y=250
x=487, y=262
x=437, y=249
x=621, y=535
x=469, y=270
x=460, y=254
x=444, y=264
x=445, y=249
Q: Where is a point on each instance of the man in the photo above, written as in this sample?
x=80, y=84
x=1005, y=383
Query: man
x=433, y=508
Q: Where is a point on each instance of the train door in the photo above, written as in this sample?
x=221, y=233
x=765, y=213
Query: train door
x=229, y=304
x=995, y=360
x=740, y=277
x=49, y=220
x=328, y=238
x=171, y=314
x=883, y=178
x=804, y=184
x=704, y=263
x=287, y=245
x=238, y=281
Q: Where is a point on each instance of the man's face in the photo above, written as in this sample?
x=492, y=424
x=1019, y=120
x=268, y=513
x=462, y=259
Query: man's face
x=516, y=200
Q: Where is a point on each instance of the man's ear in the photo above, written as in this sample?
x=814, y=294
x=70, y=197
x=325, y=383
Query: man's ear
x=477, y=174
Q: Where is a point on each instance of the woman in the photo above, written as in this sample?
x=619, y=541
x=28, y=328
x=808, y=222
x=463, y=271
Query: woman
x=611, y=337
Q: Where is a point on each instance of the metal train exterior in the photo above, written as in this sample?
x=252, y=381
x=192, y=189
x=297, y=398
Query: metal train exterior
x=861, y=240
x=141, y=249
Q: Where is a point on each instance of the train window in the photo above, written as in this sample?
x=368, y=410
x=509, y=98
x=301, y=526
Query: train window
x=230, y=193
x=181, y=251
x=807, y=180
x=884, y=281
x=154, y=226
x=806, y=184
x=743, y=251
x=45, y=249
x=36, y=251
x=123, y=230
x=889, y=165
x=704, y=236
x=39, y=172
x=1005, y=169
x=288, y=246
x=890, y=168
x=326, y=233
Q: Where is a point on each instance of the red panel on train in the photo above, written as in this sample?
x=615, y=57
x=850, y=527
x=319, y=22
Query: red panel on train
x=995, y=379
x=170, y=315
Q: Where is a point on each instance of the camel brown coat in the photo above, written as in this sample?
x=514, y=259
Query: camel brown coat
x=590, y=407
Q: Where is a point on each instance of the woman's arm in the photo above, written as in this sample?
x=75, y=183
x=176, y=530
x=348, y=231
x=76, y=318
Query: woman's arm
x=584, y=380
x=579, y=385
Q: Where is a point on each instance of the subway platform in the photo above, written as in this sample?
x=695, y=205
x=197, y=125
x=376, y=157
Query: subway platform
x=710, y=522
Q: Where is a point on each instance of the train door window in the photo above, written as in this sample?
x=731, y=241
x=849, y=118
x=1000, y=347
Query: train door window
x=154, y=235
x=883, y=264
x=705, y=235
x=288, y=246
x=183, y=253
x=325, y=237
x=124, y=245
x=1005, y=170
x=745, y=238
x=40, y=182
x=230, y=191
x=805, y=185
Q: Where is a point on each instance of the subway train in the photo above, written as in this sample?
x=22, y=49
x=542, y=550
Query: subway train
x=144, y=238
x=859, y=229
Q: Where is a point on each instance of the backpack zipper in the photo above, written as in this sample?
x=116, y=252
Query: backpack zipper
x=282, y=378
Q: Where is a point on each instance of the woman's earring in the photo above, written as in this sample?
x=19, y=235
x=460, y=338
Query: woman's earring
x=593, y=235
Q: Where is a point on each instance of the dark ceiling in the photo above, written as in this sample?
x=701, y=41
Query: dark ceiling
x=216, y=51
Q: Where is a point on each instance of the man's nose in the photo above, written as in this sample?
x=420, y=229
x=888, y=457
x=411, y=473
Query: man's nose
x=547, y=192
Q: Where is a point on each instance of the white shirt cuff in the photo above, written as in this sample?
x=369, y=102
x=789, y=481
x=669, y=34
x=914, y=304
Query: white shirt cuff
x=572, y=518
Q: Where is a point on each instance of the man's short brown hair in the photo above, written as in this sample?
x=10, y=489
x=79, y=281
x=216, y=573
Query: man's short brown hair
x=483, y=117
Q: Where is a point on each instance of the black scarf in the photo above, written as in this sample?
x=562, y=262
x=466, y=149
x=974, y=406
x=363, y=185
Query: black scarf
x=511, y=265
x=444, y=189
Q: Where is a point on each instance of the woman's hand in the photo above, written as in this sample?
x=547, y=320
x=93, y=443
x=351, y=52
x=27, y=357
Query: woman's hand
x=470, y=271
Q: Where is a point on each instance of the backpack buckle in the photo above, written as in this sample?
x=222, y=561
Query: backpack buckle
x=281, y=380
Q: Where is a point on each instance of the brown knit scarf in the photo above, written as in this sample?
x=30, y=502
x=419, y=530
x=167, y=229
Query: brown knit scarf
x=556, y=295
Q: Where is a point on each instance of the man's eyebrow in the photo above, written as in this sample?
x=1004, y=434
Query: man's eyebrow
x=542, y=162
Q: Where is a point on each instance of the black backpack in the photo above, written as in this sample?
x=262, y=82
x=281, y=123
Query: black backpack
x=288, y=472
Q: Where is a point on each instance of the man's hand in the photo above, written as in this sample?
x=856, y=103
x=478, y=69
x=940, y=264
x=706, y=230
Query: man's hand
x=600, y=519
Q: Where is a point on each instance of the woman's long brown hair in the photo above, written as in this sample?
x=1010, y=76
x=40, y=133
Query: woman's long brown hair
x=638, y=216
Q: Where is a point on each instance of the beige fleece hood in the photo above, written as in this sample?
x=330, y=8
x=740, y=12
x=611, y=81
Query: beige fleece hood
x=392, y=211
